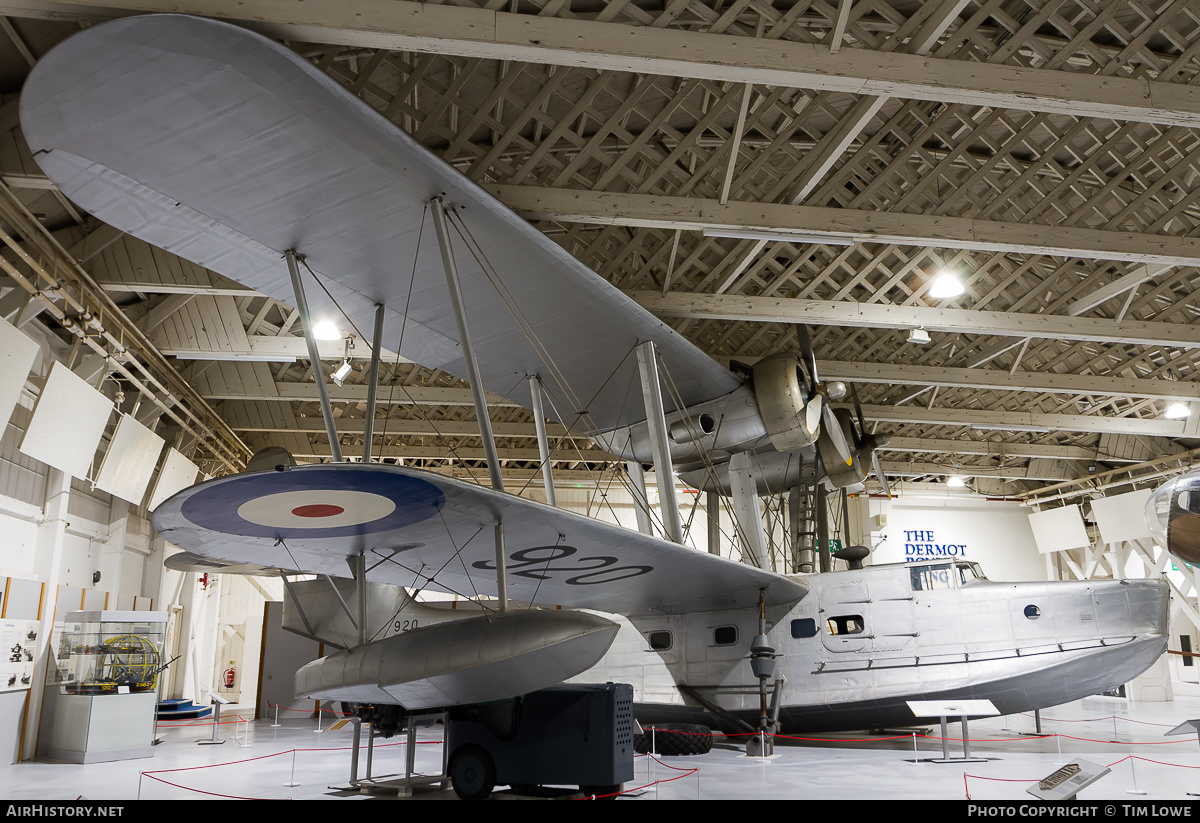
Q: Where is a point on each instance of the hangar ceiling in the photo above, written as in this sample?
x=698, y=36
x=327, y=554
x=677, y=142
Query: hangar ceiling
x=1047, y=152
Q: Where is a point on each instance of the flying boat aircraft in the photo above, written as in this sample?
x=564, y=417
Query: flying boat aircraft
x=230, y=150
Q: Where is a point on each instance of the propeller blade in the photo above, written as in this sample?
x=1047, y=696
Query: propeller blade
x=836, y=436
x=877, y=464
x=810, y=359
x=812, y=413
x=862, y=423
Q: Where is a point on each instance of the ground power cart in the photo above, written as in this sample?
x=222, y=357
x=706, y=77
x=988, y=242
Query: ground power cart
x=570, y=735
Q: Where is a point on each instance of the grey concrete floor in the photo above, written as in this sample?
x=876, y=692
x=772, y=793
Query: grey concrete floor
x=258, y=760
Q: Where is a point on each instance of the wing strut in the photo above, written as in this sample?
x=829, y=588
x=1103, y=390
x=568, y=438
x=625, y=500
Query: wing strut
x=335, y=448
x=472, y=364
x=656, y=422
x=373, y=383
x=539, y=420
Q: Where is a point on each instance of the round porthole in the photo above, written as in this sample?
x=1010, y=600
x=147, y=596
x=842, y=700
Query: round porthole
x=1032, y=612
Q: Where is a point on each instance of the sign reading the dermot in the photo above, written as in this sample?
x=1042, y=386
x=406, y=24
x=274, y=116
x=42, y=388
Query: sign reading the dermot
x=923, y=545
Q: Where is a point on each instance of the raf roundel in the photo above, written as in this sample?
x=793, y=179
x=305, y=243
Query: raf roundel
x=340, y=502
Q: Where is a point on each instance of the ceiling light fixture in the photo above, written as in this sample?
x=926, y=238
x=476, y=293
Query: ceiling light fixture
x=789, y=236
x=327, y=330
x=956, y=481
x=918, y=336
x=1177, y=411
x=342, y=372
x=946, y=285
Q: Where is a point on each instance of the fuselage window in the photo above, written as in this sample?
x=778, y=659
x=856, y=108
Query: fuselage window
x=725, y=635
x=804, y=627
x=846, y=624
x=660, y=641
x=931, y=578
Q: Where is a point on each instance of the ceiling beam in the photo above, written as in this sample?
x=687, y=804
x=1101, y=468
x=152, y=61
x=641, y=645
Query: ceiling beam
x=695, y=214
x=999, y=380
x=884, y=316
x=479, y=32
x=272, y=349
x=1027, y=421
x=393, y=427
x=530, y=455
x=943, y=445
x=388, y=395
x=1036, y=470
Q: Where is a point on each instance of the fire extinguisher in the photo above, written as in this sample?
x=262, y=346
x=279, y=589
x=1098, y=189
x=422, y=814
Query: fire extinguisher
x=229, y=674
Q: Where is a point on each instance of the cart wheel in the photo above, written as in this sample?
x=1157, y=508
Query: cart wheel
x=472, y=773
x=674, y=739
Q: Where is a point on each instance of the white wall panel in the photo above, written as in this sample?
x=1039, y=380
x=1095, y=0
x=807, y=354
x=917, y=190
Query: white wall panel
x=176, y=472
x=67, y=424
x=1122, y=516
x=21, y=477
x=18, y=546
x=1059, y=529
x=130, y=584
x=129, y=462
x=17, y=354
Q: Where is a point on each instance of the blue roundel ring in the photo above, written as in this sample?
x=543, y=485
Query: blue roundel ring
x=215, y=507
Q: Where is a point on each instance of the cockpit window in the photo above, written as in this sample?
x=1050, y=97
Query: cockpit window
x=970, y=571
x=931, y=578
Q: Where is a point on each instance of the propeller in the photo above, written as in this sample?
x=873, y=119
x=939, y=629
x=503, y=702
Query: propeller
x=819, y=396
x=869, y=440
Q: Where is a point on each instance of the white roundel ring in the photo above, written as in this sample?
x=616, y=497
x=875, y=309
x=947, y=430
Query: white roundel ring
x=316, y=509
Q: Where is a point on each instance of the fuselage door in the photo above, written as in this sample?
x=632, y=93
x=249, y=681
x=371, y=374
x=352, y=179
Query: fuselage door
x=891, y=613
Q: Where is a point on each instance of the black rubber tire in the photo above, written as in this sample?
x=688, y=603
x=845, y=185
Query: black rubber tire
x=472, y=773
x=674, y=739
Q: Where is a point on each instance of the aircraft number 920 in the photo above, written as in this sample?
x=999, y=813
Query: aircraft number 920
x=536, y=563
x=404, y=625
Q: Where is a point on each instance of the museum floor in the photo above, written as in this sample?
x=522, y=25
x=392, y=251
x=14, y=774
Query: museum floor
x=1126, y=737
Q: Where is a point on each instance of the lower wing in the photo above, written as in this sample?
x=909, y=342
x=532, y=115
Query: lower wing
x=428, y=531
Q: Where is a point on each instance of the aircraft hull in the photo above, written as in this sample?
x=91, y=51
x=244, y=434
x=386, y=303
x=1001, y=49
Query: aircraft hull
x=1084, y=675
x=1024, y=646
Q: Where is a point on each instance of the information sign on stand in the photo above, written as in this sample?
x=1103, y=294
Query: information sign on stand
x=961, y=709
x=218, y=702
x=1064, y=783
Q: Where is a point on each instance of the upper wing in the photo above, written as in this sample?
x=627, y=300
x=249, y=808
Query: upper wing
x=426, y=530
x=228, y=149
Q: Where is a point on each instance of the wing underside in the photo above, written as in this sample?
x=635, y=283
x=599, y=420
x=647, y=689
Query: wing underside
x=228, y=149
x=423, y=530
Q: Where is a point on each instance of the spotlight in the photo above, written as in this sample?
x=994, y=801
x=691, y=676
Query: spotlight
x=955, y=482
x=1177, y=411
x=343, y=370
x=918, y=336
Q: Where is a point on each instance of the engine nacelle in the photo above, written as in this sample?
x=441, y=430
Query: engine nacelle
x=782, y=402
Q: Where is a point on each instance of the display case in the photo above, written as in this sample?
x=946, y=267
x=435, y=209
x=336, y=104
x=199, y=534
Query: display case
x=107, y=667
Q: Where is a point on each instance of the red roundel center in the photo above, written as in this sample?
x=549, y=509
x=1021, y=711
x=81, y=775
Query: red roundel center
x=317, y=510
